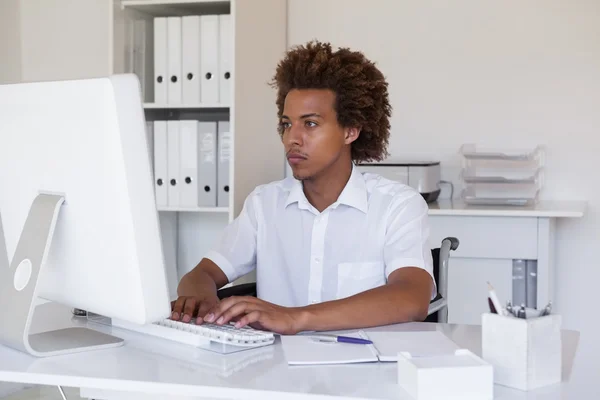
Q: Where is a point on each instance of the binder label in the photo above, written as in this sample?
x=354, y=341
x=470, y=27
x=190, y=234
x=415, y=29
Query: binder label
x=225, y=146
x=206, y=148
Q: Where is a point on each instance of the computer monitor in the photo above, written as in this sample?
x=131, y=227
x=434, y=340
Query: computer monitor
x=77, y=207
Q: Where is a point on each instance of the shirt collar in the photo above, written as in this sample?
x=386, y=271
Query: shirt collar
x=353, y=195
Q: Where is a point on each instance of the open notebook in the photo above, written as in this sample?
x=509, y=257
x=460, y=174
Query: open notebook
x=304, y=350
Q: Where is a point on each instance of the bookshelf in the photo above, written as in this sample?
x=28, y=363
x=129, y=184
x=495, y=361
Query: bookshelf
x=177, y=7
x=66, y=39
x=195, y=209
x=197, y=106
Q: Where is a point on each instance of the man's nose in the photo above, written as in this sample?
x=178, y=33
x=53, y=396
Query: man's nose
x=294, y=136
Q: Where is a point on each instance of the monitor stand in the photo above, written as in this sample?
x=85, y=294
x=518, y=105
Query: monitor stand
x=19, y=287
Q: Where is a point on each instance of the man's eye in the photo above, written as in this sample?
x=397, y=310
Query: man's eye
x=285, y=125
x=311, y=124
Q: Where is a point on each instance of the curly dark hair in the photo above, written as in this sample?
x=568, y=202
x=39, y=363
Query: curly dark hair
x=360, y=88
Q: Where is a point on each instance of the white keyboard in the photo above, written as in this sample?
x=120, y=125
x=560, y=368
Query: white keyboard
x=223, y=339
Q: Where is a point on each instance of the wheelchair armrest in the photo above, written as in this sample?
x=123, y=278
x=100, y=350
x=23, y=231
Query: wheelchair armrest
x=437, y=305
x=245, y=289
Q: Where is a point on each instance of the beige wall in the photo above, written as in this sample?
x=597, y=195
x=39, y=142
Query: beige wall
x=509, y=73
x=53, y=27
x=10, y=43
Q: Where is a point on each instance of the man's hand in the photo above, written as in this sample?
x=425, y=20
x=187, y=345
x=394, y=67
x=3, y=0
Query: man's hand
x=257, y=313
x=187, y=307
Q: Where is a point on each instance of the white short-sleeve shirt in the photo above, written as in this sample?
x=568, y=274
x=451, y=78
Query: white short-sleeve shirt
x=303, y=256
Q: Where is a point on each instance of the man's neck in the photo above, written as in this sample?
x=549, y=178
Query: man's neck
x=323, y=190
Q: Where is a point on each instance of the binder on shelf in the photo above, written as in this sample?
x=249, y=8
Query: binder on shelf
x=519, y=287
x=209, y=58
x=174, y=95
x=173, y=192
x=207, y=164
x=225, y=59
x=160, y=60
x=224, y=141
x=160, y=163
x=150, y=141
x=531, y=283
x=190, y=39
x=188, y=163
x=138, y=56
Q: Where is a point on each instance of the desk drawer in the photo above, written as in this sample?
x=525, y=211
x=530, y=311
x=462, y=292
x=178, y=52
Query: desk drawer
x=487, y=237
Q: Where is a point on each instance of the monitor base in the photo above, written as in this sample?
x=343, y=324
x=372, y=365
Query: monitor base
x=18, y=289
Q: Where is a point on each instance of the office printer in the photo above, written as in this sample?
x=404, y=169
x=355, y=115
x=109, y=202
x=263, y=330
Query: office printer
x=423, y=176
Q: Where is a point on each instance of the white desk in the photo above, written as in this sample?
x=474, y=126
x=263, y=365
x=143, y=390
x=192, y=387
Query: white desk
x=149, y=368
x=495, y=242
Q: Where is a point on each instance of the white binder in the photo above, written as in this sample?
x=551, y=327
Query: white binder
x=225, y=59
x=160, y=60
x=173, y=192
x=174, y=60
x=190, y=39
x=224, y=140
x=160, y=163
x=207, y=164
x=188, y=163
x=138, y=58
x=209, y=58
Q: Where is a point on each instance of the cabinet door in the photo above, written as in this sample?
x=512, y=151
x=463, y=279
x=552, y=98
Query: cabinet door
x=468, y=290
x=65, y=39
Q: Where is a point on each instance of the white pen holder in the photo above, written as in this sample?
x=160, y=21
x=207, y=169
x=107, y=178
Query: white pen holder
x=525, y=353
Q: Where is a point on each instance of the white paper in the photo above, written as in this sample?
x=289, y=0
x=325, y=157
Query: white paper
x=417, y=343
x=305, y=350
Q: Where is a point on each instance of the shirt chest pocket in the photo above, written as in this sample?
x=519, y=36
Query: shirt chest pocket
x=358, y=277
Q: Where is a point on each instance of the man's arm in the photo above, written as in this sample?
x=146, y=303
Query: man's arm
x=234, y=255
x=205, y=278
x=197, y=291
x=404, y=298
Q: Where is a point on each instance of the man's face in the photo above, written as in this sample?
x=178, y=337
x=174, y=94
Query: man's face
x=312, y=137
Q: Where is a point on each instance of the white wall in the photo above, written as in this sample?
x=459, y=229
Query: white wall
x=507, y=73
x=10, y=45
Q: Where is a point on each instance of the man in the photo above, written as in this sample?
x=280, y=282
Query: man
x=333, y=248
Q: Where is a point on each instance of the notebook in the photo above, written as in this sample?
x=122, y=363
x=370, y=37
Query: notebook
x=304, y=350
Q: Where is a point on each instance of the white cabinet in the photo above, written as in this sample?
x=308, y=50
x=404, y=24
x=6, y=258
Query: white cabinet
x=467, y=286
x=492, y=239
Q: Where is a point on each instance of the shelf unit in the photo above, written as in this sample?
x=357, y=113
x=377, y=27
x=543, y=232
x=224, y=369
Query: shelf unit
x=177, y=7
x=195, y=209
x=66, y=39
x=154, y=106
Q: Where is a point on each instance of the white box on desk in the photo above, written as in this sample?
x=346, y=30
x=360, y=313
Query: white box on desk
x=526, y=353
x=458, y=376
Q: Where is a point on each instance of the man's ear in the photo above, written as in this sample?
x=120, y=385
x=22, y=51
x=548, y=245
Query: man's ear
x=351, y=134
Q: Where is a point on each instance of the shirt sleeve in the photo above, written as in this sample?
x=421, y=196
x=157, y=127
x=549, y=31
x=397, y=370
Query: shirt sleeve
x=235, y=250
x=407, y=237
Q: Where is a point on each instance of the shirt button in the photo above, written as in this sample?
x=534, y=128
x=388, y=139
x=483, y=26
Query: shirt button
x=314, y=302
x=317, y=260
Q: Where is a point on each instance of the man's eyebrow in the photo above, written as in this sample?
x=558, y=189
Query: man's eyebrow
x=311, y=115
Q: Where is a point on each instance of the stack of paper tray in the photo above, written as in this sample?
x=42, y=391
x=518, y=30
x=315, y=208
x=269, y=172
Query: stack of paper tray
x=494, y=176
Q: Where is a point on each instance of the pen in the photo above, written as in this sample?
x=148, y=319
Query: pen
x=492, y=308
x=340, y=339
x=546, y=310
x=494, y=299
